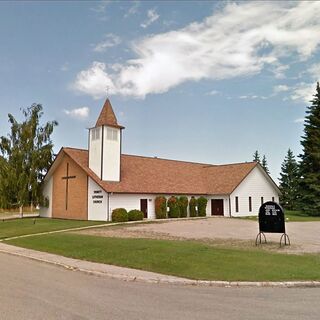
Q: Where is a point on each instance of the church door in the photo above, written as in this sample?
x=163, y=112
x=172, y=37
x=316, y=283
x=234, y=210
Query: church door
x=144, y=207
x=217, y=207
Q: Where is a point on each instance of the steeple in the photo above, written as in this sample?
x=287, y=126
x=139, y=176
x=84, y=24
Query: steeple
x=107, y=116
x=105, y=145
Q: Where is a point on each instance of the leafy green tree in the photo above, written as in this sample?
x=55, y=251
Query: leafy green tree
x=173, y=205
x=183, y=205
x=256, y=156
x=309, y=186
x=193, y=207
x=26, y=154
x=264, y=164
x=202, y=206
x=289, y=181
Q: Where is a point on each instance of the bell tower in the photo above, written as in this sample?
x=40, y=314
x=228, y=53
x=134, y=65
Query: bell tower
x=105, y=145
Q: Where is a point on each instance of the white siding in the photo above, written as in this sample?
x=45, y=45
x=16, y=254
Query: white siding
x=111, y=157
x=131, y=202
x=47, y=193
x=95, y=152
x=255, y=185
x=225, y=199
x=97, y=202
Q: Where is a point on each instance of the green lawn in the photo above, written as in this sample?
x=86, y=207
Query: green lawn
x=188, y=259
x=18, y=227
x=291, y=216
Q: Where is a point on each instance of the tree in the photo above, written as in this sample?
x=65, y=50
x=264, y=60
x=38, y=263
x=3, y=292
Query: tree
x=193, y=207
x=256, y=156
x=289, y=181
x=202, y=206
x=264, y=164
x=26, y=155
x=309, y=186
x=173, y=205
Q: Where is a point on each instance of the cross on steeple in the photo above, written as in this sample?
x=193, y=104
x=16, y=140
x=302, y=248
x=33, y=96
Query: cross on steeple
x=67, y=177
x=108, y=88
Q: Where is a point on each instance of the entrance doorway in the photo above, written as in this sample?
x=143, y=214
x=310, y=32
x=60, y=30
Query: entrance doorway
x=144, y=207
x=217, y=207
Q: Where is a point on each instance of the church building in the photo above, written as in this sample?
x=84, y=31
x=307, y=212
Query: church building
x=89, y=184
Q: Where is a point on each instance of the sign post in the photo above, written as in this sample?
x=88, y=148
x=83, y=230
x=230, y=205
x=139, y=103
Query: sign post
x=272, y=220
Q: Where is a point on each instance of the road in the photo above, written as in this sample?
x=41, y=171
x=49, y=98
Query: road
x=34, y=290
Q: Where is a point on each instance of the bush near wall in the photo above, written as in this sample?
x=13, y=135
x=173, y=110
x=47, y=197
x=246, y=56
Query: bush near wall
x=202, y=206
x=183, y=206
x=161, y=207
x=192, y=207
x=119, y=215
x=174, y=210
x=135, y=215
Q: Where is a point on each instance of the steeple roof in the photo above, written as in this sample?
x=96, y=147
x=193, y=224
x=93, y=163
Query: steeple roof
x=107, y=116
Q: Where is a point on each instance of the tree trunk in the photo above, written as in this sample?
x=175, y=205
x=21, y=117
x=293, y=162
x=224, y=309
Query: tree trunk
x=21, y=211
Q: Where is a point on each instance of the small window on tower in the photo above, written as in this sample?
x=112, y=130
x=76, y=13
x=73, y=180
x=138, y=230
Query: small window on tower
x=95, y=134
x=112, y=134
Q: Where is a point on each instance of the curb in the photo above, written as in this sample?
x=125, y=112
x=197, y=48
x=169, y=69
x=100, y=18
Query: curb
x=153, y=278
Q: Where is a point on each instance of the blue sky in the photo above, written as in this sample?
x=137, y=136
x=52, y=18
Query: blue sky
x=200, y=81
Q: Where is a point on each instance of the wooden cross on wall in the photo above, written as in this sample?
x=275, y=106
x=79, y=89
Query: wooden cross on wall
x=67, y=177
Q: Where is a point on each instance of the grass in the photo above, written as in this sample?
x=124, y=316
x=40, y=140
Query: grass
x=188, y=259
x=291, y=216
x=18, y=227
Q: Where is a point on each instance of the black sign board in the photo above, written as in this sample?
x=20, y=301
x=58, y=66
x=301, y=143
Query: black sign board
x=271, y=218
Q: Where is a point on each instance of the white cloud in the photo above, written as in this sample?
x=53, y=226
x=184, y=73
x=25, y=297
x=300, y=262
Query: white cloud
x=239, y=40
x=212, y=92
x=152, y=17
x=299, y=120
x=78, y=113
x=303, y=92
x=314, y=71
x=132, y=10
x=280, y=88
x=110, y=40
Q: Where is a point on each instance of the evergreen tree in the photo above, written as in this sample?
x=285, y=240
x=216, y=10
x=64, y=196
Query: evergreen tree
x=264, y=164
x=309, y=187
x=256, y=157
x=289, y=181
x=25, y=156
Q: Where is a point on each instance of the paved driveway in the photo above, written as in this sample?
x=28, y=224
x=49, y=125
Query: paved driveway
x=33, y=290
x=304, y=236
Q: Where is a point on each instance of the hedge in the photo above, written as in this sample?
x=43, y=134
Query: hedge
x=174, y=210
x=183, y=206
x=135, y=215
x=202, y=206
x=161, y=207
x=192, y=207
x=119, y=215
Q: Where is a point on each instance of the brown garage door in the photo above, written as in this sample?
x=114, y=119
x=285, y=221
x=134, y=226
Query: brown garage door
x=144, y=207
x=217, y=207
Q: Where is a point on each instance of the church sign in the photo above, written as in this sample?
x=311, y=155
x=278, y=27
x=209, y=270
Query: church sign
x=97, y=196
x=272, y=220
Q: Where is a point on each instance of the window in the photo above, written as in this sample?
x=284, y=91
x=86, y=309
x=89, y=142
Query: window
x=237, y=204
x=112, y=134
x=250, y=204
x=95, y=134
x=261, y=200
x=273, y=199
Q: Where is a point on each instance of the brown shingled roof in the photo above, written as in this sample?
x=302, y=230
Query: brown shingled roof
x=107, y=116
x=160, y=176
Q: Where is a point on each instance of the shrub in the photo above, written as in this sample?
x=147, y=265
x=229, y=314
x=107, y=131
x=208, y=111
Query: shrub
x=135, y=215
x=119, y=215
x=183, y=206
x=174, y=209
x=192, y=207
x=161, y=207
x=202, y=206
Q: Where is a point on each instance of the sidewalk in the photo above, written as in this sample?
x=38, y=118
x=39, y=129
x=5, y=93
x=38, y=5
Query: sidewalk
x=127, y=274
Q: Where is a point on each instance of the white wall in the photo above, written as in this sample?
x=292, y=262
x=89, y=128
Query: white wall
x=111, y=156
x=95, y=152
x=97, y=202
x=47, y=193
x=225, y=199
x=131, y=202
x=255, y=185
